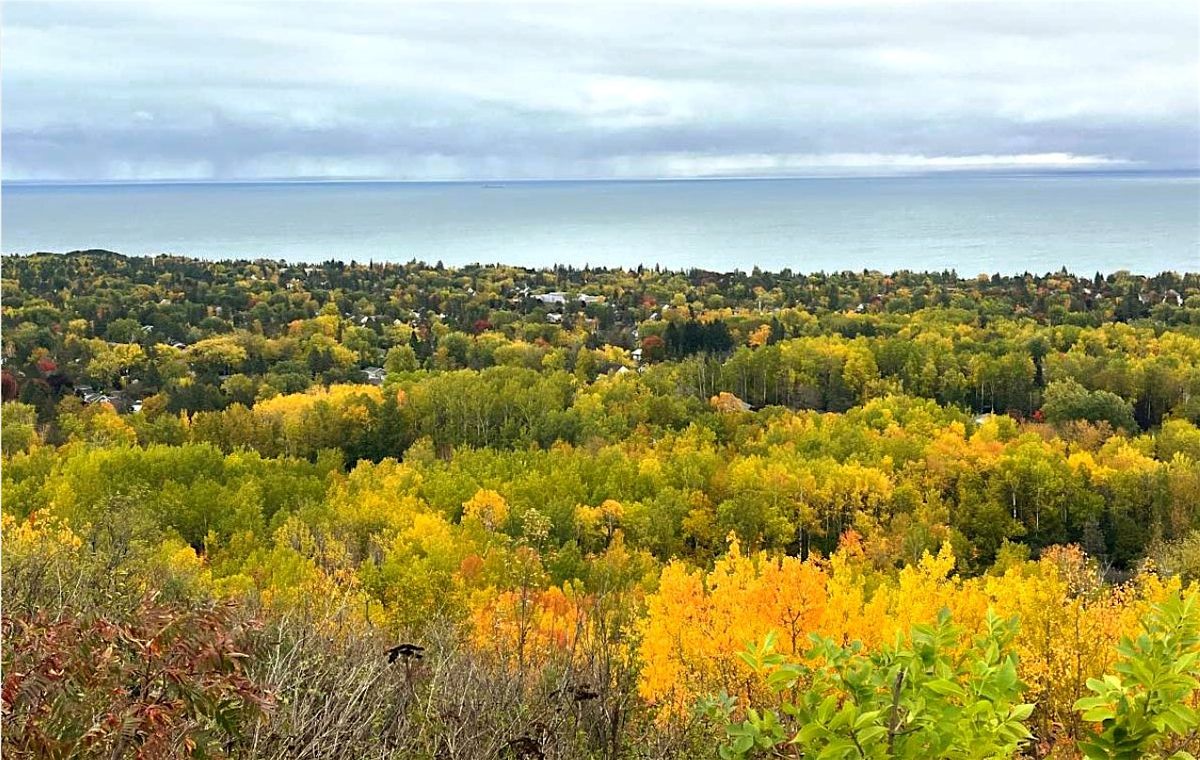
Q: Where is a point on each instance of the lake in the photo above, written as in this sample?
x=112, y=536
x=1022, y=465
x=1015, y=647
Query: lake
x=973, y=224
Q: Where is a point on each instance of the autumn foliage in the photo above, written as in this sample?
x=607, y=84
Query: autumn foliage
x=161, y=682
x=406, y=511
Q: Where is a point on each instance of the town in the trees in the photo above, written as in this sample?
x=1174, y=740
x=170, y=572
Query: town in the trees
x=272, y=509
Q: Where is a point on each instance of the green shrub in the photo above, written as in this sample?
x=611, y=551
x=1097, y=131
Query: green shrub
x=918, y=698
x=1147, y=707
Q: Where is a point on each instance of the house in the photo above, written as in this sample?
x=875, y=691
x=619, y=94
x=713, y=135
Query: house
x=375, y=375
x=104, y=398
x=622, y=370
x=552, y=298
x=585, y=299
x=554, y=318
x=1172, y=296
x=179, y=345
x=136, y=406
x=636, y=354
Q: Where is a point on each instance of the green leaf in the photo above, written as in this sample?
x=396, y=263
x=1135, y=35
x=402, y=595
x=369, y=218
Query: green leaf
x=871, y=734
x=781, y=679
x=1021, y=712
x=1099, y=714
x=866, y=718
x=945, y=687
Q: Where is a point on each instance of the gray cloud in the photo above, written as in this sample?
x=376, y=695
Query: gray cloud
x=451, y=90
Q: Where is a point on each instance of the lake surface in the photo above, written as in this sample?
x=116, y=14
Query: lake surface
x=1087, y=223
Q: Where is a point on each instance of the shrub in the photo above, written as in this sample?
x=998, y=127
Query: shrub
x=916, y=698
x=164, y=681
x=1147, y=708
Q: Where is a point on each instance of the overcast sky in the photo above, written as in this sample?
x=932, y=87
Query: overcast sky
x=103, y=91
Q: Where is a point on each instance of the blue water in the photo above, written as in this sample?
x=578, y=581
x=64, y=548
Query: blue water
x=1087, y=223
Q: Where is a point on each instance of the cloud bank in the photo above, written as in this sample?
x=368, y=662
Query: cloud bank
x=107, y=91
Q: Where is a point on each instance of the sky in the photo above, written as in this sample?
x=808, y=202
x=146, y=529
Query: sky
x=107, y=91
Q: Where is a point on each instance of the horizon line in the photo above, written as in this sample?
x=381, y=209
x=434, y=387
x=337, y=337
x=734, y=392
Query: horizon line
x=301, y=180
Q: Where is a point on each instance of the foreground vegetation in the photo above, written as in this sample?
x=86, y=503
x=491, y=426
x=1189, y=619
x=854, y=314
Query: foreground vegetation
x=596, y=513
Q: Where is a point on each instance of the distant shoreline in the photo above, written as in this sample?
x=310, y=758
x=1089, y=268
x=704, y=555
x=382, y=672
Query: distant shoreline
x=569, y=268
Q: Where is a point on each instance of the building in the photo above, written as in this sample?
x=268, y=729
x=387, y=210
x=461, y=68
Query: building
x=375, y=375
x=552, y=298
x=117, y=402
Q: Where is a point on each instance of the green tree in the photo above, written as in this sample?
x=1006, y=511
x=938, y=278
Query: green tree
x=18, y=429
x=1067, y=400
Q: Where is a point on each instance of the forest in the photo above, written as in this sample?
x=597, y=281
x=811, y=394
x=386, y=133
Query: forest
x=271, y=509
